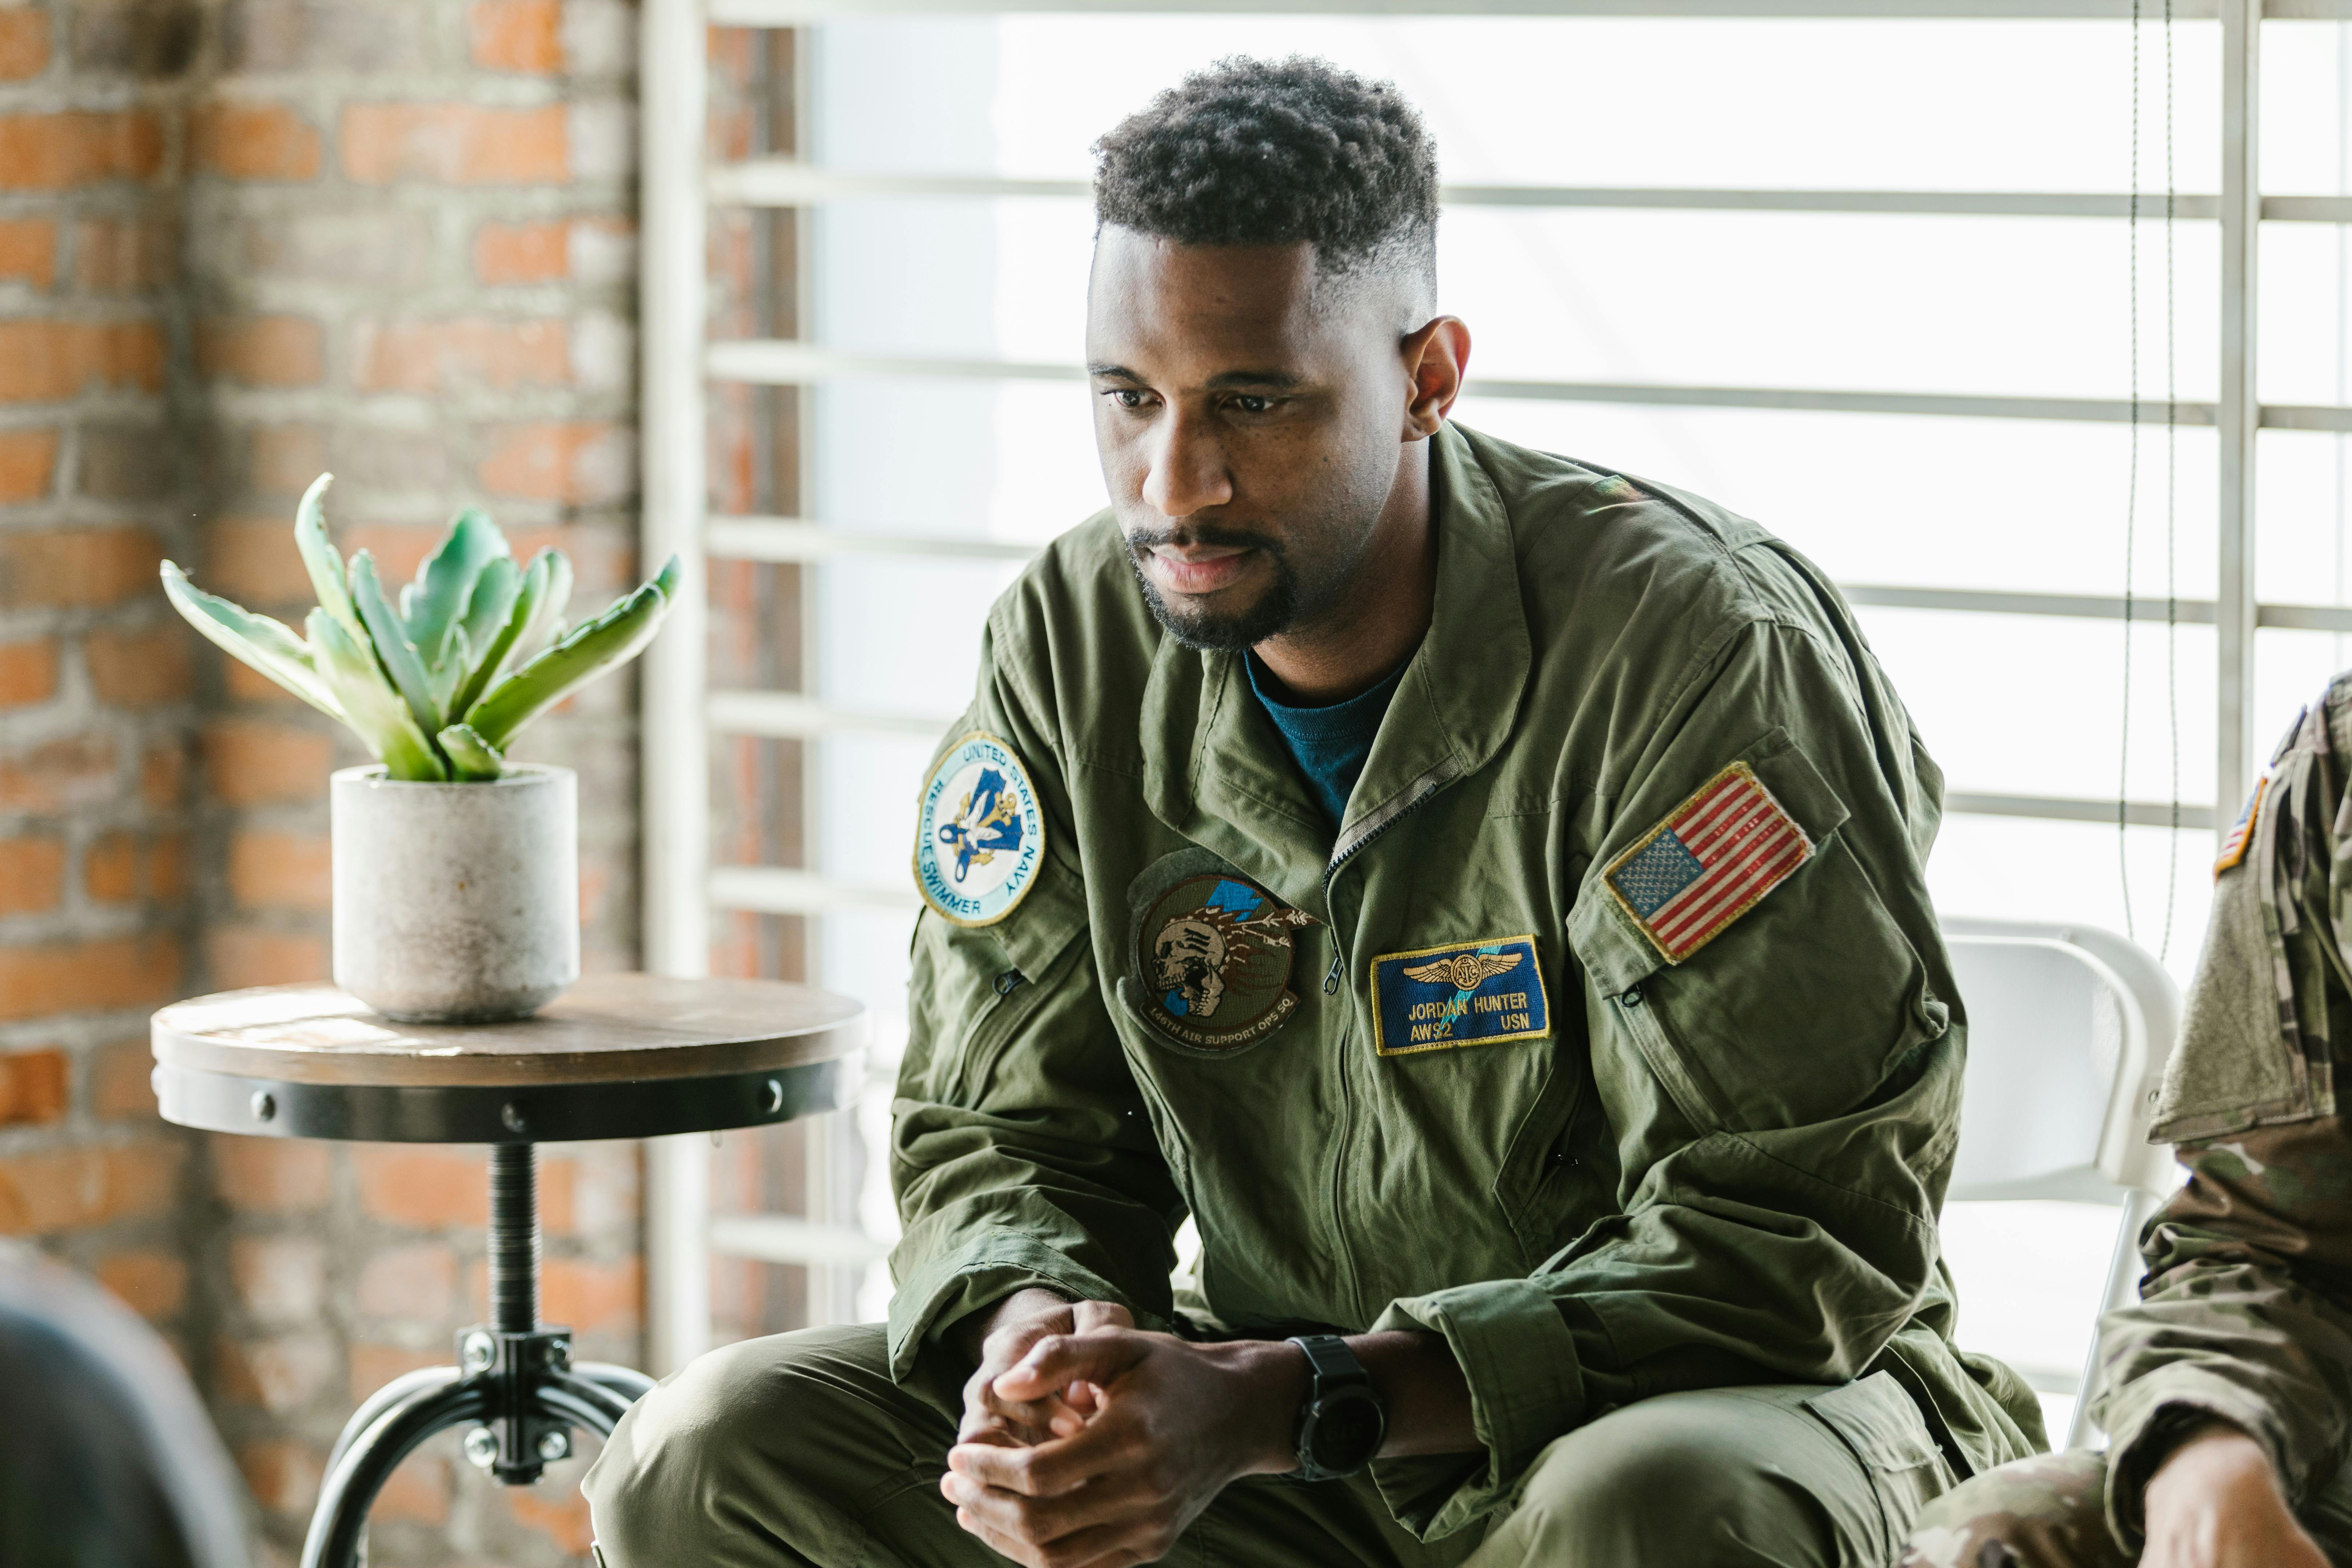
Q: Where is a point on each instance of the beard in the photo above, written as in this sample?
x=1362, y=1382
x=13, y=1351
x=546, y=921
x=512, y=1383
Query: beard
x=1297, y=596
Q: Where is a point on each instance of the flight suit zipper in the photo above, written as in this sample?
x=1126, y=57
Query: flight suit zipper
x=1429, y=785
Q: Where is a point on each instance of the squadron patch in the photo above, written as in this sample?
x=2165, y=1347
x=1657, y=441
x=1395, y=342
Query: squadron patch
x=2233, y=848
x=980, y=837
x=1213, y=954
x=1470, y=993
x=1707, y=863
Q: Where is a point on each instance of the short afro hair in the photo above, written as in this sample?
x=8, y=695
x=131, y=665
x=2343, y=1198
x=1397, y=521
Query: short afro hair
x=1275, y=153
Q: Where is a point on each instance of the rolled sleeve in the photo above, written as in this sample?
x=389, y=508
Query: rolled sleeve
x=1527, y=1388
x=979, y=1273
x=2150, y=1417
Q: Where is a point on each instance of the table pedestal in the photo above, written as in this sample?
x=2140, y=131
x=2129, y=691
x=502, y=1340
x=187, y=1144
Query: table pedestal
x=515, y=1382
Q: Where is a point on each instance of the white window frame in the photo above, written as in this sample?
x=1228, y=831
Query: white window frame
x=680, y=713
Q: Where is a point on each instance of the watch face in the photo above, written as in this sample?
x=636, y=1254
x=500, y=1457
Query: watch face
x=1347, y=1427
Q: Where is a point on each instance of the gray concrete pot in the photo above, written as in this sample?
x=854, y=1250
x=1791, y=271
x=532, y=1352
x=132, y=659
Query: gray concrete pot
x=456, y=902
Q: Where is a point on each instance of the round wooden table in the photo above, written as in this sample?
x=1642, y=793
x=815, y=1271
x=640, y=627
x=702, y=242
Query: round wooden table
x=616, y=1056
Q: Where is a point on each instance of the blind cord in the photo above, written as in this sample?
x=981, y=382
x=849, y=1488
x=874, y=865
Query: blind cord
x=2131, y=493
x=2171, y=501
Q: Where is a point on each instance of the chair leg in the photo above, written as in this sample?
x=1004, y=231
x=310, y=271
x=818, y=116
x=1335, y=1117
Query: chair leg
x=383, y=1399
x=626, y=1381
x=340, y=1524
x=578, y=1401
x=2123, y=1282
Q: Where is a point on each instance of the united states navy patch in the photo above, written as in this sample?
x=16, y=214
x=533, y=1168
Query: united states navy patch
x=980, y=837
x=1468, y=993
x=1707, y=863
x=2233, y=848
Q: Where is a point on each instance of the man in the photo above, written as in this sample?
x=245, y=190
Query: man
x=2227, y=1394
x=1482, y=889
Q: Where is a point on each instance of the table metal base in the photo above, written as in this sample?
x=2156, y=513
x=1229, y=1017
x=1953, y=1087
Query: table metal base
x=516, y=1385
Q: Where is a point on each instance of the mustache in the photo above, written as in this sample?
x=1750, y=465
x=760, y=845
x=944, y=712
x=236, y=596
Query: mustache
x=1189, y=533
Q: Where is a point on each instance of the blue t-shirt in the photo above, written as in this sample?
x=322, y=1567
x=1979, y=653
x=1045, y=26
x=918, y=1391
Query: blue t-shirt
x=1328, y=743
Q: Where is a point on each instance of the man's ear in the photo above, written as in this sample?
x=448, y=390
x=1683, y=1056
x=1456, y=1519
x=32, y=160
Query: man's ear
x=1436, y=356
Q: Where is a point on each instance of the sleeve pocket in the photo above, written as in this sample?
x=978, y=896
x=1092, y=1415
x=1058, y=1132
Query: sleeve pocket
x=1612, y=947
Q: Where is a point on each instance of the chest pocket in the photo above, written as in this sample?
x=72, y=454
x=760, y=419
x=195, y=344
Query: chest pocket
x=1793, y=1011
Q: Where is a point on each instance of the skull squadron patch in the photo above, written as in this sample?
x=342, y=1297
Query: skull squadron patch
x=1212, y=953
x=980, y=837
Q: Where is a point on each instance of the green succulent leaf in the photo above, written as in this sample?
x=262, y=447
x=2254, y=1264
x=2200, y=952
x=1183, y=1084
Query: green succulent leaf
x=471, y=759
x=370, y=704
x=546, y=628
x=492, y=602
x=491, y=659
x=447, y=676
x=267, y=645
x=438, y=600
x=610, y=639
x=392, y=645
x=319, y=557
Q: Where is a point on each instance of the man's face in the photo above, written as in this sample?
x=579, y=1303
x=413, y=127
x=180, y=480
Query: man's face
x=1250, y=430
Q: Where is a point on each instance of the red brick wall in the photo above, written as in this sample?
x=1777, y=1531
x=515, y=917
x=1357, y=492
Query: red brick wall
x=242, y=241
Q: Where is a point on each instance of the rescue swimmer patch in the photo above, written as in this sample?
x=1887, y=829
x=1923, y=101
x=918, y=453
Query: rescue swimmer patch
x=1707, y=863
x=2233, y=848
x=1212, y=953
x=1470, y=993
x=980, y=837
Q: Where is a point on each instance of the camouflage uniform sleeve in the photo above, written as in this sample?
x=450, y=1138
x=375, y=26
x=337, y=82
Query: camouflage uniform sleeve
x=2245, y=1314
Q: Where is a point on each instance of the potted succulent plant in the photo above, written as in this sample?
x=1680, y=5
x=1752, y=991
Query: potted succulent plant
x=456, y=871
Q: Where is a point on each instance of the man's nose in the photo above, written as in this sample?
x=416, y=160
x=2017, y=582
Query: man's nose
x=1187, y=468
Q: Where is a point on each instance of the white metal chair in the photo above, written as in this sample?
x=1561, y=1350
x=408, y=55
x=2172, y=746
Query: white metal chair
x=2069, y=1029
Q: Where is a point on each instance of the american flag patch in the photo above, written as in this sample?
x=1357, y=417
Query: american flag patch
x=1707, y=863
x=2233, y=848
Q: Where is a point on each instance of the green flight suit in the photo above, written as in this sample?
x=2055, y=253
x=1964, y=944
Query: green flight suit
x=2245, y=1313
x=1604, y=1176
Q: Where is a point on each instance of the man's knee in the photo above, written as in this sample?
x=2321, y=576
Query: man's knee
x=1772, y=1473
x=2048, y=1512
x=779, y=1427
x=1667, y=1481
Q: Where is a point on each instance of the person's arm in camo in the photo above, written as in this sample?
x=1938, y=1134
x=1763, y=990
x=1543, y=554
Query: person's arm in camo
x=2231, y=1382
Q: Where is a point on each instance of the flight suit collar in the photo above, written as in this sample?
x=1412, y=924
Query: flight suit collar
x=1217, y=770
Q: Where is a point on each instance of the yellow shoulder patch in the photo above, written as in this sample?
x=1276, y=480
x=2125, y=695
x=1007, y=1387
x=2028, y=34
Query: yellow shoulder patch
x=2233, y=848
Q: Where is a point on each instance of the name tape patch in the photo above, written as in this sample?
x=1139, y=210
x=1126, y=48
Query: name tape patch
x=1707, y=863
x=1469, y=993
x=980, y=837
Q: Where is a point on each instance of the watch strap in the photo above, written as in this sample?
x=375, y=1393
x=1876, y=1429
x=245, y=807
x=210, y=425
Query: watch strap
x=1333, y=1369
x=1334, y=1366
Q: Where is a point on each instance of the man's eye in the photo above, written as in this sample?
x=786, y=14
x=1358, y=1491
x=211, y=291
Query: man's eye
x=1249, y=403
x=1128, y=397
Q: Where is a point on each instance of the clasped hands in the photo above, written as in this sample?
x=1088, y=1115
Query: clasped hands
x=1089, y=1443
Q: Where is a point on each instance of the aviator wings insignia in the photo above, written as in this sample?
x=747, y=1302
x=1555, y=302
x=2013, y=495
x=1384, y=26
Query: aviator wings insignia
x=1465, y=970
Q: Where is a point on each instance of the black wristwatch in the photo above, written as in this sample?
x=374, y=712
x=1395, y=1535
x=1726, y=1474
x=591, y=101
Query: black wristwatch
x=1343, y=1421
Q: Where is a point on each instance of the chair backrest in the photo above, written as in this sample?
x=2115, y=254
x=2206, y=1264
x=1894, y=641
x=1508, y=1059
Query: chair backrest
x=107, y=1460
x=2069, y=1029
